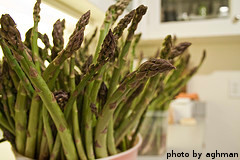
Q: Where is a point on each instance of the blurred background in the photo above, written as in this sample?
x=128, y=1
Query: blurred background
x=206, y=117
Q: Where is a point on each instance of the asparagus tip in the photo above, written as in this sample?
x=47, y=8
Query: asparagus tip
x=36, y=11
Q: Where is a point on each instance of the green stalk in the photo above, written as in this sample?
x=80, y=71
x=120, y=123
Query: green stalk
x=16, y=67
x=103, y=120
x=42, y=88
x=11, y=102
x=137, y=130
x=103, y=32
x=75, y=120
x=173, y=75
x=146, y=96
x=54, y=68
x=105, y=55
x=118, y=31
x=69, y=106
x=125, y=126
x=112, y=14
x=56, y=148
x=5, y=124
x=63, y=55
x=110, y=138
x=55, y=112
x=33, y=126
x=44, y=150
x=34, y=45
x=6, y=109
x=73, y=45
x=145, y=71
x=66, y=73
x=133, y=53
x=126, y=105
x=7, y=83
x=47, y=128
x=21, y=119
x=173, y=88
x=77, y=134
x=14, y=78
x=140, y=11
x=116, y=73
x=88, y=119
x=39, y=134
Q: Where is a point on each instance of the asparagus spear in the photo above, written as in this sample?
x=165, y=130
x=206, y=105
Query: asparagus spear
x=171, y=90
x=14, y=78
x=93, y=94
x=105, y=55
x=44, y=52
x=140, y=59
x=12, y=36
x=44, y=150
x=76, y=130
x=47, y=128
x=102, y=94
x=173, y=76
x=36, y=18
x=21, y=119
x=112, y=14
x=140, y=11
x=8, y=88
x=53, y=69
x=136, y=41
x=179, y=49
x=117, y=33
x=16, y=67
x=123, y=23
x=86, y=65
x=34, y=126
x=57, y=35
x=74, y=44
x=125, y=107
x=81, y=54
x=145, y=71
x=5, y=124
x=125, y=127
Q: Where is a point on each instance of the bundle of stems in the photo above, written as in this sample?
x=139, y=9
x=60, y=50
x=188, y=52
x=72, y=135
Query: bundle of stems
x=168, y=87
x=81, y=105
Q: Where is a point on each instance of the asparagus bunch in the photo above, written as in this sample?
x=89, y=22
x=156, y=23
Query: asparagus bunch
x=169, y=87
x=73, y=108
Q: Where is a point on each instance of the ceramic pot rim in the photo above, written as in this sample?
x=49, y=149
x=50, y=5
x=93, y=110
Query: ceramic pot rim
x=136, y=146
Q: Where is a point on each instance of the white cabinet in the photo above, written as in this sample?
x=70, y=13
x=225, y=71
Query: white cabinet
x=153, y=27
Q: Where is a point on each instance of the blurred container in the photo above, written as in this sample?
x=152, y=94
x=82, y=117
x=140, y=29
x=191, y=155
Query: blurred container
x=154, y=133
x=182, y=108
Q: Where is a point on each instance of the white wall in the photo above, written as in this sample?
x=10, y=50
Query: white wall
x=223, y=111
x=21, y=12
